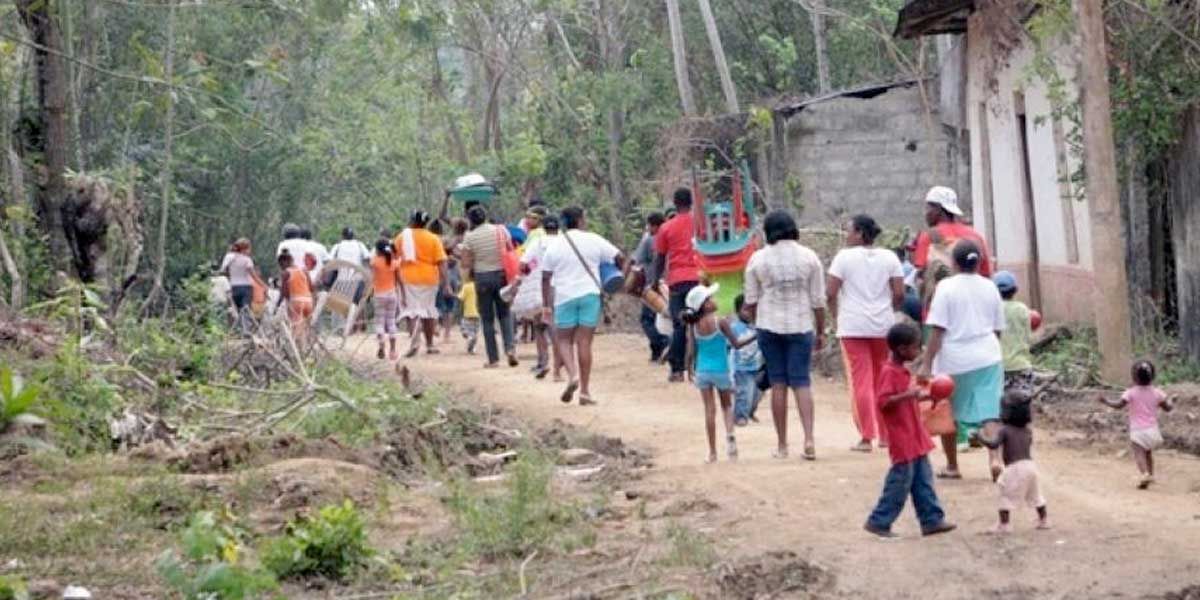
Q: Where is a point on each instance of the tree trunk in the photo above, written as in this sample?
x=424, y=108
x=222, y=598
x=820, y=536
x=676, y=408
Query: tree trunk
x=457, y=147
x=1111, y=297
x=37, y=15
x=718, y=50
x=1185, y=231
x=16, y=195
x=819, y=46
x=680, y=53
x=165, y=177
x=612, y=51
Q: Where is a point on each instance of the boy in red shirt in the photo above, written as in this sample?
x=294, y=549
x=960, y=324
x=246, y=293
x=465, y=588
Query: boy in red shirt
x=908, y=443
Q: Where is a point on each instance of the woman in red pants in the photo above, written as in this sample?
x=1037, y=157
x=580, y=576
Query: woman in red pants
x=865, y=288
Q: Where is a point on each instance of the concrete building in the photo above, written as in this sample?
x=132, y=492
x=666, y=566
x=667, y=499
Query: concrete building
x=1022, y=195
x=874, y=149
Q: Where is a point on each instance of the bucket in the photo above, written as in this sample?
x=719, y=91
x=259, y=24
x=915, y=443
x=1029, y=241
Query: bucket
x=655, y=301
x=611, y=278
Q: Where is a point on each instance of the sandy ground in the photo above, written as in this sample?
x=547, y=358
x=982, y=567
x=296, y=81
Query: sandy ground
x=1109, y=539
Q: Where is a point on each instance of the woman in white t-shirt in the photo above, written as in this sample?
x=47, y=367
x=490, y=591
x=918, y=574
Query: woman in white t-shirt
x=865, y=288
x=239, y=268
x=966, y=318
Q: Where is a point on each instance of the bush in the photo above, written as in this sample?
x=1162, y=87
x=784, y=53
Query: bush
x=12, y=588
x=212, y=565
x=332, y=544
x=524, y=518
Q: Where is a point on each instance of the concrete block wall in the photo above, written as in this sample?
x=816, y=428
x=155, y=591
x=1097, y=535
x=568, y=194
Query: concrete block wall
x=849, y=155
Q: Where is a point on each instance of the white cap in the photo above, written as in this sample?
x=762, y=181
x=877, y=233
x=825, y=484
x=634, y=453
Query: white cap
x=945, y=198
x=696, y=297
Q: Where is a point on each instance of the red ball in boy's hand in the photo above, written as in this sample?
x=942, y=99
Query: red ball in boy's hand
x=941, y=387
x=1035, y=320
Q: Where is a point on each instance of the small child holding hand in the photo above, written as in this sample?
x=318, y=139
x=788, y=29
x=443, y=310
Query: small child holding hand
x=1019, y=482
x=908, y=442
x=1143, y=400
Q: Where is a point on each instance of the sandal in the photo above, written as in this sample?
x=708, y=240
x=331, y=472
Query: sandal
x=512, y=360
x=411, y=352
x=586, y=400
x=432, y=350
x=810, y=452
x=569, y=393
x=779, y=453
x=379, y=354
x=863, y=446
x=541, y=373
x=712, y=458
x=949, y=474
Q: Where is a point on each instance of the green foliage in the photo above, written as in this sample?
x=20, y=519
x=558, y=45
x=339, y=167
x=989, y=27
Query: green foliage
x=76, y=304
x=16, y=398
x=524, y=518
x=77, y=399
x=211, y=564
x=688, y=548
x=12, y=588
x=331, y=544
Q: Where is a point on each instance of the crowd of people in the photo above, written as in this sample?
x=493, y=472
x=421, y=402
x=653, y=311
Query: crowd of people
x=900, y=316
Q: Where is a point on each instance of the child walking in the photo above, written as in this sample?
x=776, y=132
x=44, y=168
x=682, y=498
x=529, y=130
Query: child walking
x=388, y=297
x=1018, y=482
x=908, y=443
x=1143, y=400
x=1018, y=360
x=470, y=314
x=709, y=340
x=746, y=362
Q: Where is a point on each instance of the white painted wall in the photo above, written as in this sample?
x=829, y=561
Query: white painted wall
x=1012, y=245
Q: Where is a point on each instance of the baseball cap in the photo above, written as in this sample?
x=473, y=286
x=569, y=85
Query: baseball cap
x=1005, y=281
x=696, y=297
x=945, y=198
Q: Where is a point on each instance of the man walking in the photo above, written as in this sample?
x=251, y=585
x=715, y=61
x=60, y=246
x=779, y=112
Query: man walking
x=645, y=258
x=676, y=263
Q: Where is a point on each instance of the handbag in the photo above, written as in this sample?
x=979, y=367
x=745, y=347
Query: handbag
x=938, y=417
x=595, y=278
x=509, y=261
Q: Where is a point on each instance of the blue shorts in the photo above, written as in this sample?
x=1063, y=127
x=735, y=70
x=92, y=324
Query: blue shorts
x=583, y=311
x=722, y=382
x=788, y=357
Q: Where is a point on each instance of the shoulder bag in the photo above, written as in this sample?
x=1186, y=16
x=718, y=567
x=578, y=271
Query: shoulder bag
x=595, y=279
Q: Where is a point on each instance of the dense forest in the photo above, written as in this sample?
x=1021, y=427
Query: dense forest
x=208, y=120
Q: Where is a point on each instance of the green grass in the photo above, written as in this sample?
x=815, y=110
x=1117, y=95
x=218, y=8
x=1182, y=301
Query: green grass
x=688, y=548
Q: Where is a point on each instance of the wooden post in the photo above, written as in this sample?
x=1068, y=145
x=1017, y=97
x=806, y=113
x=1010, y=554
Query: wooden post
x=1111, y=297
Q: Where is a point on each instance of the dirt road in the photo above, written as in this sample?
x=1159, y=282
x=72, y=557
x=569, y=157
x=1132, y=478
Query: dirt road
x=1109, y=539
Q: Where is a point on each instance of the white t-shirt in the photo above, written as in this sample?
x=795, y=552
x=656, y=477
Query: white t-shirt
x=969, y=308
x=239, y=266
x=571, y=280
x=865, y=299
x=529, y=295
x=352, y=251
x=296, y=247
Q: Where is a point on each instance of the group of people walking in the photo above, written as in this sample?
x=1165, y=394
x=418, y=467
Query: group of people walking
x=898, y=322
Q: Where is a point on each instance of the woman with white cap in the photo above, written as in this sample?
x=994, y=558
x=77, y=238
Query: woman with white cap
x=785, y=291
x=708, y=342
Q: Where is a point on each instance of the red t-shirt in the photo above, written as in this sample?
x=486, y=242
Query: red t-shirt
x=906, y=435
x=951, y=232
x=674, y=239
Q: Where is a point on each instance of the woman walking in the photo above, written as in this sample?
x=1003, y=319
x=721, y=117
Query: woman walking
x=484, y=246
x=528, y=302
x=966, y=318
x=785, y=291
x=865, y=288
x=423, y=274
x=243, y=277
x=571, y=296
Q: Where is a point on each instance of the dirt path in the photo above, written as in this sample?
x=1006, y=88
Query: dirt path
x=1109, y=539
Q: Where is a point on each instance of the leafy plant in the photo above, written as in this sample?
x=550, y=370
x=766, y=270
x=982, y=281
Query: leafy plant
x=332, y=544
x=212, y=565
x=522, y=519
x=12, y=588
x=15, y=397
x=688, y=548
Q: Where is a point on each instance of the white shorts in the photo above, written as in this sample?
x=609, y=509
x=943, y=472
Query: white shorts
x=1149, y=439
x=1019, y=485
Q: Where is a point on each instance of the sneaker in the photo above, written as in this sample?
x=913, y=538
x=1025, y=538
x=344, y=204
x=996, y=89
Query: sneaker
x=741, y=422
x=942, y=527
x=879, y=531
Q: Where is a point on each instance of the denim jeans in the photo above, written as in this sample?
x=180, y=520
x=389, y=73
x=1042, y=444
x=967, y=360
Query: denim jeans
x=678, y=353
x=491, y=308
x=658, y=341
x=745, y=393
x=913, y=478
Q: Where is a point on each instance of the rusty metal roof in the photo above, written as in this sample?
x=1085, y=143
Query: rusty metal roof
x=933, y=17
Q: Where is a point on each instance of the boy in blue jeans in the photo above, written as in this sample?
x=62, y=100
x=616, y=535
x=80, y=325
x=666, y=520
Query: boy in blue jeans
x=746, y=362
x=908, y=443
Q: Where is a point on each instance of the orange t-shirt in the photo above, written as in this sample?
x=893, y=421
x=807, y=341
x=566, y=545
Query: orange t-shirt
x=384, y=275
x=297, y=282
x=421, y=269
x=952, y=232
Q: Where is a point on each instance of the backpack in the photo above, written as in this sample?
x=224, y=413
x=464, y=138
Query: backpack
x=939, y=264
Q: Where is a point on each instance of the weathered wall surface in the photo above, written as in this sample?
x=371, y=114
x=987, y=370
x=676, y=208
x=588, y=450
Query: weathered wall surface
x=877, y=155
x=1055, y=235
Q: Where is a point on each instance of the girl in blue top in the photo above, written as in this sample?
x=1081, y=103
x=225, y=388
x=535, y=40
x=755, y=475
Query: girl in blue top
x=709, y=341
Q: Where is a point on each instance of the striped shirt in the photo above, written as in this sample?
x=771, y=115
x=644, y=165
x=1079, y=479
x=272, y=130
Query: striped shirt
x=787, y=282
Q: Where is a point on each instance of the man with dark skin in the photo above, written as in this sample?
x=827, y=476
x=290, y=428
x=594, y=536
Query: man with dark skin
x=676, y=264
